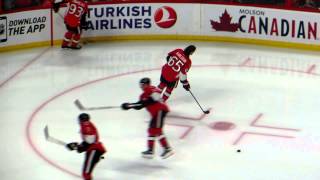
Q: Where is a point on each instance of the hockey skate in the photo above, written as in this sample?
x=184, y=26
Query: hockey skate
x=148, y=154
x=167, y=153
x=77, y=47
x=65, y=47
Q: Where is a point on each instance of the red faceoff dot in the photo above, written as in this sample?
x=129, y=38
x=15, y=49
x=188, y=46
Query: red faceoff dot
x=222, y=126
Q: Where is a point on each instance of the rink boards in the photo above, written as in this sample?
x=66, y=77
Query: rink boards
x=155, y=21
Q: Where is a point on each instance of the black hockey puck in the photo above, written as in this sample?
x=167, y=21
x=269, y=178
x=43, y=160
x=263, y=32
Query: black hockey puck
x=238, y=150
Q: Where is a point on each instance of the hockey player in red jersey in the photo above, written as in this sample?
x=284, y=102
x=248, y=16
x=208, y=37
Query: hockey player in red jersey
x=176, y=68
x=75, y=21
x=91, y=145
x=151, y=100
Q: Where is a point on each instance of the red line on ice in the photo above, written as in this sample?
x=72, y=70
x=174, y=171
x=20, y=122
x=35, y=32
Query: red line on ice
x=189, y=129
x=246, y=62
x=31, y=119
x=311, y=69
x=23, y=68
x=189, y=118
x=241, y=136
x=258, y=117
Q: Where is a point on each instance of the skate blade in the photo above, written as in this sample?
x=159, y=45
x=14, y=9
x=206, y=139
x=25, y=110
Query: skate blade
x=148, y=156
x=168, y=155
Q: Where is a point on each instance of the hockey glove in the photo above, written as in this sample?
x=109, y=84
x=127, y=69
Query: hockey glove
x=83, y=147
x=56, y=7
x=125, y=106
x=186, y=85
x=72, y=146
x=168, y=58
x=137, y=107
x=83, y=22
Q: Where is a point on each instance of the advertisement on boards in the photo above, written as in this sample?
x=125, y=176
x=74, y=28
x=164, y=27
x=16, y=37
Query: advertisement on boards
x=24, y=27
x=261, y=23
x=127, y=19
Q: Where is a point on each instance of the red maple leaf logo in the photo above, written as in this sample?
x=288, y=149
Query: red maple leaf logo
x=225, y=23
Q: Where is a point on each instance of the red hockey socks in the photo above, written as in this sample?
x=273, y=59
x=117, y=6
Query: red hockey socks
x=153, y=133
x=67, y=39
x=167, y=93
x=151, y=140
x=161, y=86
x=75, y=40
x=86, y=176
x=163, y=141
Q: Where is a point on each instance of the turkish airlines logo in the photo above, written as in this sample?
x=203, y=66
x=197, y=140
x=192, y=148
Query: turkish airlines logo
x=165, y=17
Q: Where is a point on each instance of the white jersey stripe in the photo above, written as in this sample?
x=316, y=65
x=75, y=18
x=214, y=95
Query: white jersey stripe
x=167, y=94
x=68, y=40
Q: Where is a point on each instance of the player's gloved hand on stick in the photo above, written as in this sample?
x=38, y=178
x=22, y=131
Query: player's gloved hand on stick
x=186, y=85
x=125, y=106
x=83, y=147
x=137, y=107
x=72, y=146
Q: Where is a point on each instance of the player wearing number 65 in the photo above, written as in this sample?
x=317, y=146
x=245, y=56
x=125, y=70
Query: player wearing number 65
x=176, y=68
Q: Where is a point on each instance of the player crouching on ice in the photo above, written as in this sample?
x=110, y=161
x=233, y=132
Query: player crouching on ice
x=91, y=145
x=75, y=21
x=151, y=100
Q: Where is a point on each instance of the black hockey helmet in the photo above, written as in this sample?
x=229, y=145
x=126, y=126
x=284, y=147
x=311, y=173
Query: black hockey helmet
x=189, y=50
x=145, y=80
x=84, y=117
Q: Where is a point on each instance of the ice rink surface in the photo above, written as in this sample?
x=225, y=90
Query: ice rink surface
x=263, y=101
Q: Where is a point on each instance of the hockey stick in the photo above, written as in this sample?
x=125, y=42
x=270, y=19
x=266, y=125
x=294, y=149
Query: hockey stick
x=52, y=139
x=205, y=112
x=60, y=15
x=83, y=108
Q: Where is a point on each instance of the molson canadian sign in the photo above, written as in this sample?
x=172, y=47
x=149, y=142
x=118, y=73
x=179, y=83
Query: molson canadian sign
x=262, y=23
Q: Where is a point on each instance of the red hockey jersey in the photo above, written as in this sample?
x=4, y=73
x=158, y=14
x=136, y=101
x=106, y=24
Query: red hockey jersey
x=154, y=93
x=76, y=8
x=90, y=135
x=178, y=65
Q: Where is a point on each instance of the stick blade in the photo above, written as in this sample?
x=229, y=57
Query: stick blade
x=102, y=108
x=46, y=132
x=52, y=139
x=79, y=105
x=208, y=111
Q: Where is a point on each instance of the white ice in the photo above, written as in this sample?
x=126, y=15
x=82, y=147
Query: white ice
x=279, y=88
